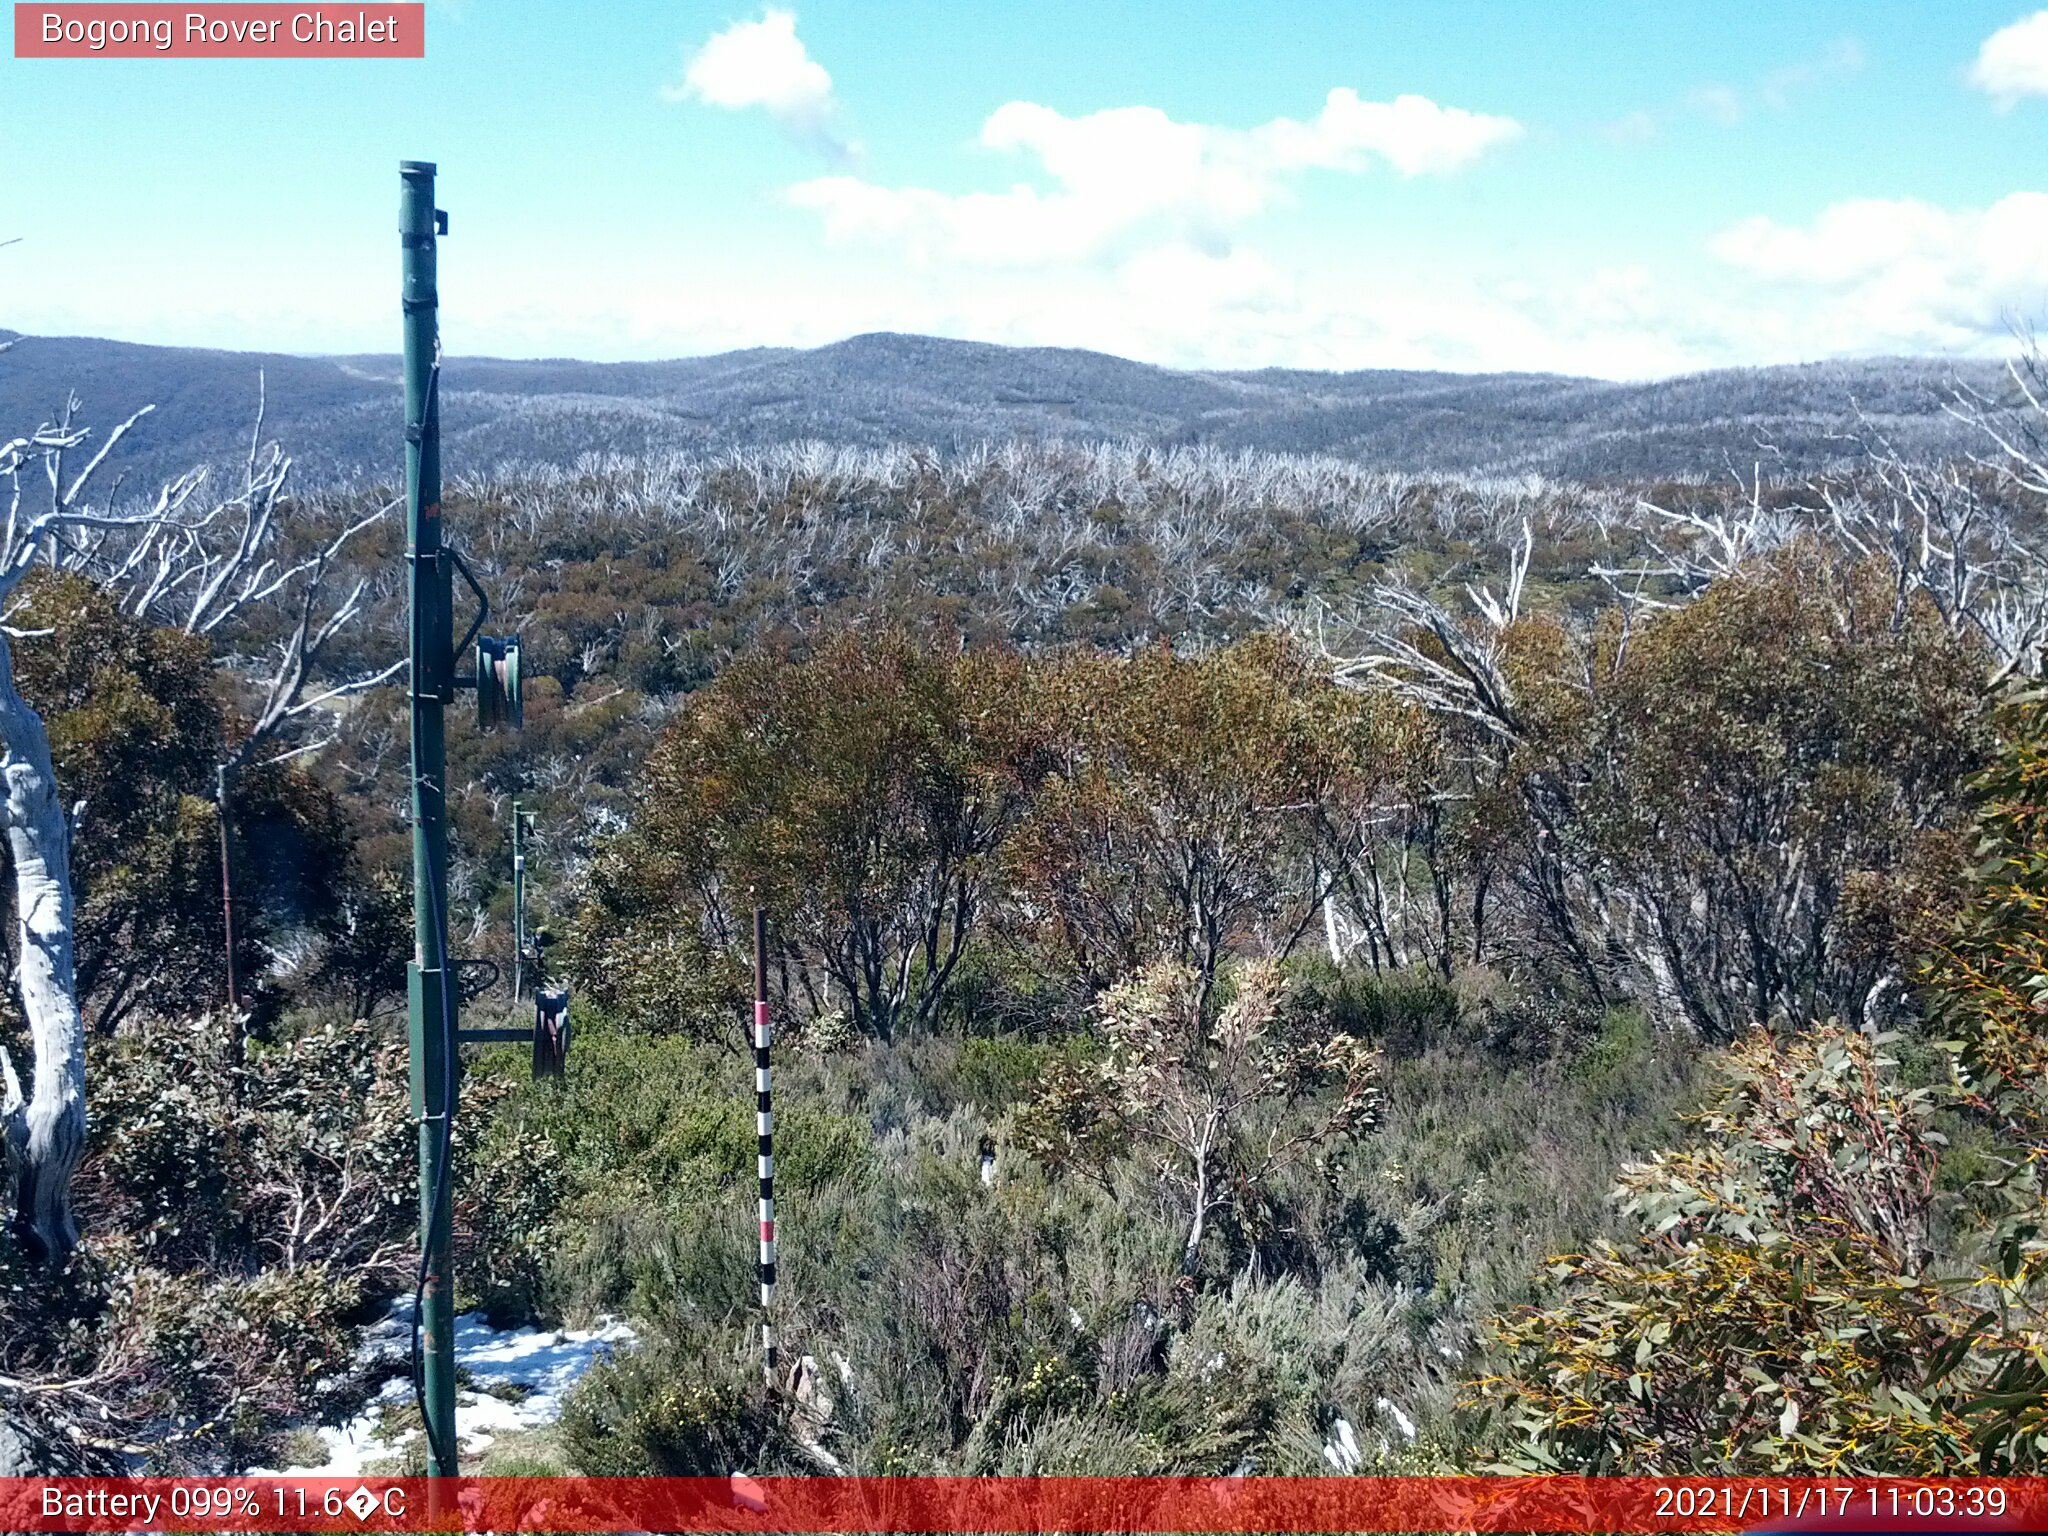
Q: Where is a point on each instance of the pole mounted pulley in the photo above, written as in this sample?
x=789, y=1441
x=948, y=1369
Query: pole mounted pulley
x=500, y=689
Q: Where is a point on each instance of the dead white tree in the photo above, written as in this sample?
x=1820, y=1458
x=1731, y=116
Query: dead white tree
x=1941, y=529
x=1411, y=647
x=212, y=573
x=172, y=558
x=1690, y=548
x=1423, y=653
x=44, y=1127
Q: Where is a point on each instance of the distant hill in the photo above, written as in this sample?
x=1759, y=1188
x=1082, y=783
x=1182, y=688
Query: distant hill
x=339, y=415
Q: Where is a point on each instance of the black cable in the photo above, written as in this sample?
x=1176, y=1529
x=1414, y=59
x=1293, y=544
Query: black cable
x=437, y=1453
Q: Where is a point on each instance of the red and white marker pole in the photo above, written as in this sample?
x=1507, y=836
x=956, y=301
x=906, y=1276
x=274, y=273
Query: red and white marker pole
x=764, y=1126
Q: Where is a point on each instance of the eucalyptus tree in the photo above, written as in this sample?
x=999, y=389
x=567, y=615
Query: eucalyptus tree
x=1729, y=809
x=1182, y=812
x=862, y=794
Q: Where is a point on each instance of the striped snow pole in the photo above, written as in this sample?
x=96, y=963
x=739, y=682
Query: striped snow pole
x=764, y=1126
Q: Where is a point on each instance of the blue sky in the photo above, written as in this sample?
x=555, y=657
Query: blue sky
x=1630, y=188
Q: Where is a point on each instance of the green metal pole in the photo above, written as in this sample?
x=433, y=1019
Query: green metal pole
x=430, y=996
x=518, y=908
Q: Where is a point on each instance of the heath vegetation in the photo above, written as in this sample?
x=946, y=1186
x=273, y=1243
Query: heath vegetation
x=1456, y=973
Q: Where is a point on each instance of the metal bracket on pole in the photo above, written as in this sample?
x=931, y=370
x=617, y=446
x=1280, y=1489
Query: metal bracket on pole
x=500, y=689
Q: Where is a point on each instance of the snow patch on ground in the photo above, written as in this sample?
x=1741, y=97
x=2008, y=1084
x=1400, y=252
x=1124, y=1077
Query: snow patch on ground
x=550, y=1362
x=499, y=1364
x=1401, y=1420
x=1341, y=1450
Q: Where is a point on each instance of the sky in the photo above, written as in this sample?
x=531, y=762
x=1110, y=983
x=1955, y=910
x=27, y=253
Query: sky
x=1621, y=188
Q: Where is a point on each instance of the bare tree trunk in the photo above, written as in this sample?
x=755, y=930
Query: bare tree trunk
x=223, y=800
x=45, y=1132
x=237, y=1016
x=1328, y=895
x=1191, y=1255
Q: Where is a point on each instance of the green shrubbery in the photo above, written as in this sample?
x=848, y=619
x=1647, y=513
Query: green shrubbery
x=997, y=1073
x=661, y=1120
x=1844, y=1273
x=1775, y=1310
x=681, y=1407
x=138, y=719
x=1404, y=1010
x=302, y=1153
x=245, y=1216
x=1081, y=906
x=931, y=1324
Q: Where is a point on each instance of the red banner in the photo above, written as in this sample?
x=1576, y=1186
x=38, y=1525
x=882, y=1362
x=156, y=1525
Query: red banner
x=235, y=31
x=991, y=1504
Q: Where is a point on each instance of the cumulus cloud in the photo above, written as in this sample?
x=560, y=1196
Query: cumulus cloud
x=1411, y=133
x=762, y=64
x=1129, y=173
x=1900, y=274
x=2014, y=61
x=1128, y=230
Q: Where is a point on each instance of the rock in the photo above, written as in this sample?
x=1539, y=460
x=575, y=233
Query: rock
x=17, y=1456
x=31, y=1447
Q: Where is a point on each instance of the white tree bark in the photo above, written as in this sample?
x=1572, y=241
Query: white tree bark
x=45, y=1131
x=216, y=562
x=1330, y=934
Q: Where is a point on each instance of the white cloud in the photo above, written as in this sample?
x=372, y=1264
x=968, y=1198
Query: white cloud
x=1843, y=57
x=1126, y=238
x=1726, y=105
x=1721, y=103
x=1877, y=274
x=1638, y=127
x=1131, y=232
x=2014, y=61
x=1411, y=133
x=760, y=64
x=1131, y=174
x=1861, y=277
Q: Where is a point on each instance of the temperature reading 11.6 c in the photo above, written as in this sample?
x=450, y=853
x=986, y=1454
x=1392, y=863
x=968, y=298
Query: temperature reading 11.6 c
x=362, y=1502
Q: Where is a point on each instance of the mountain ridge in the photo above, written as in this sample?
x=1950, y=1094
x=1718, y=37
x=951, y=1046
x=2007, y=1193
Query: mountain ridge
x=338, y=414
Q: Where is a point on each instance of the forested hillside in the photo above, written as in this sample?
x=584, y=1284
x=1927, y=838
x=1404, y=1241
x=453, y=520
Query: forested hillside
x=1236, y=918
x=337, y=413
